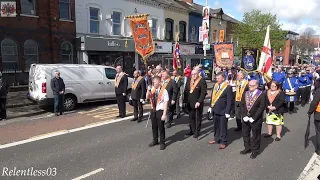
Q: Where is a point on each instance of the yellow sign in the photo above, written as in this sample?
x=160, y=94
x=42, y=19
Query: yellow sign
x=221, y=37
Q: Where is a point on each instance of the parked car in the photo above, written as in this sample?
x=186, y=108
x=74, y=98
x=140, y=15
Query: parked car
x=84, y=83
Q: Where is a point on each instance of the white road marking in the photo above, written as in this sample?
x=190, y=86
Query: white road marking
x=312, y=170
x=61, y=132
x=89, y=174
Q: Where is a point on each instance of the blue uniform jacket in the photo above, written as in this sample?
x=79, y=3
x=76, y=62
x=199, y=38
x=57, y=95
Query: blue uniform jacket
x=262, y=81
x=278, y=76
x=310, y=78
x=302, y=81
x=286, y=86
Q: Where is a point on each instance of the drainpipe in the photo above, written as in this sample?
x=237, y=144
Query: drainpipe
x=50, y=31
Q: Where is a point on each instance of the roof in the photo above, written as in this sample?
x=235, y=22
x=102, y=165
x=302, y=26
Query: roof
x=291, y=32
x=168, y=3
x=230, y=19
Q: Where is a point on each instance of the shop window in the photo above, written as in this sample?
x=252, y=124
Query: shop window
x=28, y=7
x=116, y=20
x=9, y=52
x=153, y=23
x=94, y=20
x=169, y=29
x=66, y=53
x=31, y=54
x=110, y=73
x=182, y=29
x=65, y=10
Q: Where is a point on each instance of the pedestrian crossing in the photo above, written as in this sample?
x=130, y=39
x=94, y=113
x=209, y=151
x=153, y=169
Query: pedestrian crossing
x=104, y=113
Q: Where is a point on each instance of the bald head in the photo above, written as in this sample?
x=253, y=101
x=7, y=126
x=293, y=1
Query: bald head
x=136, y=73
x=253, y=85
x=194, y=74
x=119, y=69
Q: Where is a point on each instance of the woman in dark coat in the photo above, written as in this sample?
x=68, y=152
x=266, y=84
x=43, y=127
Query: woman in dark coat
x=275, y=108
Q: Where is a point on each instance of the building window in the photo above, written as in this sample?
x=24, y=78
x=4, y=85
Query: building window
x=28, y=7
x=153, y=23
x=116, y=19
x=94, y=20
x=31, y=53
x=9, y=52
x=169, y=29
x=64, y=6
x=66, y=54
x=182, y=29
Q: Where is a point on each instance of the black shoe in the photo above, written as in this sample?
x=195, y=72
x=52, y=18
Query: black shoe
x=302, y=105
x=189, y=134
x=238, y=129
x=246, y=151
x=267, y=135
x=195, y=135
x=290, y=112
x=277, y=139
x=254, y=155
x=61, y=113
x=178, y=116
x=169, y=125
x=153, y=143
x=162, y=146
x=118, y=116
x=134, y=119
x=139, y=120
x=317, y=152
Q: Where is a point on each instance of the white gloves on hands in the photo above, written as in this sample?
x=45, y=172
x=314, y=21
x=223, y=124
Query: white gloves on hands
x=227, y=116
x=246, y=119
x=251, y=120
x=287, y=90
x=291, y=90
x=141, y=100
x=124, y=94
x=130, y=98
x=209, y=110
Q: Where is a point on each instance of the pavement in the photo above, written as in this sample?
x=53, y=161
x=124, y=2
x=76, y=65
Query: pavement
x=118, y=150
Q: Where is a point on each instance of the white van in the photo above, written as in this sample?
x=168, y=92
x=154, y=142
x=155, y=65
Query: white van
x=84, y=83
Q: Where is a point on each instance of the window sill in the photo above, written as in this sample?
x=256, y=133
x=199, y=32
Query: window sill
x=65, y=20
x=27, y=15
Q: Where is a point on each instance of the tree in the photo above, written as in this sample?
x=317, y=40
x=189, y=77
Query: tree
x=304, y=44
x=252, y=31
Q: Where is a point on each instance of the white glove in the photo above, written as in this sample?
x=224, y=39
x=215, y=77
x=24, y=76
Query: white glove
x=209, y=110
x=130, y=98
x=149, y=88
x=246, y=119
x=227, y=116
x=141, y=100
x=291, y=90
x=251, y=120
x=124, y=94
x=287, y=90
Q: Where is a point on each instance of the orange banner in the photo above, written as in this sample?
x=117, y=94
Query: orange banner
x=221, y=37
x=224, y=55
x=142, y=35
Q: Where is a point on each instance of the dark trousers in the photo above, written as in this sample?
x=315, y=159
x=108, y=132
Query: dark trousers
x=178, y=106
x=290, y=106
x=317, y=128
x=254, y=144
x=158, y=126
x=233, y=105
x=304, y=95
x=58, y=103
x=121, y=101
x=195, y=120
x=137, y=109
x=3, y=108
x=238, y=114
x=170, y=112
x=298, y=100
x=308, y=93
x=220, y=129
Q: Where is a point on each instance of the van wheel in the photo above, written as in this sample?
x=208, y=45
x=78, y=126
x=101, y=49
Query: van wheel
x=69, y=102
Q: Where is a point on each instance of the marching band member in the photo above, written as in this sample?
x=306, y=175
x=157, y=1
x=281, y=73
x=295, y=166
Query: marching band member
x=242, y=86
x=159, y=99
x=290, y=86
x=179, y=81
x=279, y=75
x=252, y=107
x=194, y=95
x=220, y=106
x=302, y=92
x=275, y=109
x=138, y=92
x=172, y=89
x=309, y=84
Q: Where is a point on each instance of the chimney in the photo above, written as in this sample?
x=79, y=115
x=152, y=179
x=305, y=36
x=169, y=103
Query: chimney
x=188, y=1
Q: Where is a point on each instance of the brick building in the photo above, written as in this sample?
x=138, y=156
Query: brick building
x=286, y=55
x=43, y=31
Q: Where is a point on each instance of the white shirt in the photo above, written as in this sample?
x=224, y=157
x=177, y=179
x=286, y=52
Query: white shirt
x=165, y=97
x=253, y=93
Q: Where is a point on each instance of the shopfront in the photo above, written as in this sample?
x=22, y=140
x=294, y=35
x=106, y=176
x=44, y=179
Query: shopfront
x=109, y=52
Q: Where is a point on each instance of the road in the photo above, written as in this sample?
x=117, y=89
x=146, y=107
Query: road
x=119, y=151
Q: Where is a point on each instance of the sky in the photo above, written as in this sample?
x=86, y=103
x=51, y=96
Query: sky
x=294, y=15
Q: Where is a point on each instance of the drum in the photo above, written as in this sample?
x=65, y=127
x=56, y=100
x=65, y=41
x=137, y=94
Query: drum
x=291, y=96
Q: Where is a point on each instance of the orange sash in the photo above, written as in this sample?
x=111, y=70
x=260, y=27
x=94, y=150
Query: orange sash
x=177, y=78
x=239, y=92
x=216, y=95
x=159, y=96
x=134, y=84
x=194, y=85
x=118, y=79
x=272, y=97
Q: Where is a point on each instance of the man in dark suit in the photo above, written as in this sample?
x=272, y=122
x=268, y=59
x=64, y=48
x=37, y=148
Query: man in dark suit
x=179, y=81
x=220, y=106
x=194, y=95
x=138, y=93
x=253, y=104
x=172, y=90
x=315, y=108
x=121, y=85
x=241, y=88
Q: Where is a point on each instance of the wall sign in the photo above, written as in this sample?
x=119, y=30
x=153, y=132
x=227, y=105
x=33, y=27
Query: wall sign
x=187, y=49
x=163, y=47
x=8, y=9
